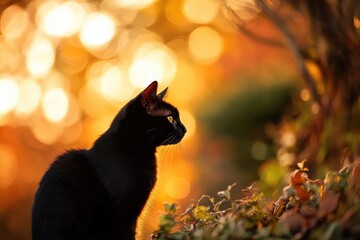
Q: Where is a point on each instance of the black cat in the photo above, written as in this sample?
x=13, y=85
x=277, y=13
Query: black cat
x=99, y=193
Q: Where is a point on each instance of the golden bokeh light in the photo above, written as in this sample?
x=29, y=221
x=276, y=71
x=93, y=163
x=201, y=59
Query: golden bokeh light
x=205, y=45
x=73, y=113
x=9, y=94
x=200, y=11
x=8, y=166
x=55, y=104
x=288, y=139
x=62, y=19
x=99, y=29
x=178, y=188
x=40, y=56
x=14, y=22
x=96, y=127
x=29, y=97
x=153, y=61
x=44, y=131
x=133, y=4
x=173, y=13
x=72, y=133
x=72, y=58
x=305, y=94
x=91, y=101
x=114, y=84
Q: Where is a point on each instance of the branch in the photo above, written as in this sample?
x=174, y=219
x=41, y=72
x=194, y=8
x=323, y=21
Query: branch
x=240, y=26
x=293, y=46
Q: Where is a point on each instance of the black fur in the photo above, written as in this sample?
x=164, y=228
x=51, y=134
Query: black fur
x=99, y=193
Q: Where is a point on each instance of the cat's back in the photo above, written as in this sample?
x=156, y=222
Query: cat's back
x=70, y=200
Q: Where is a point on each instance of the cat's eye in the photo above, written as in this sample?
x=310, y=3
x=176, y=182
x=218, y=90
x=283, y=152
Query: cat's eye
x=170, y=119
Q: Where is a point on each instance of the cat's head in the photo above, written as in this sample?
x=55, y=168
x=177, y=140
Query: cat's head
x=163, y=121
x=149, y=118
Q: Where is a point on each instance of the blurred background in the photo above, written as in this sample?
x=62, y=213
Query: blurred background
x=67, y=67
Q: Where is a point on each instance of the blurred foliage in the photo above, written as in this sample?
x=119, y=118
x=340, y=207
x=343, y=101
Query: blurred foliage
x=247, y=120
x=312, y=209
x=323, y=37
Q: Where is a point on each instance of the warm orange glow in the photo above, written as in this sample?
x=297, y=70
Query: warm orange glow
x=205, y=45
x=72, y=133
x=356, y=22
x=91, y=101
x=14, y=22
x=60, y=19
x=285, y=158
x=9, y=94
x=189, y=121
x=55, y=104
x=153, y=61
x=133, y=4
x=45, y=131
x=200, y=11
x=40, y=56
x=8, y=166
x=173, y=13
x=72, y=59
x=74, y=112
x=110, y=81
x=114, y=85
x=178, y=188
x=99, y=29
x=288, y=139
x=305, y=95
x=29, y=97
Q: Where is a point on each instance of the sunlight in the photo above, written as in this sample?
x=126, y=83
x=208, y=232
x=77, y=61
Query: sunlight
x=29, y=98
x=153, y=61
x=205, y=45
x=14, y=22
x=178, y=188
x=114, y=84
x=9, y=94
x=40, y=56
x=8, y=166
x=200, y=11
x=55, y=104
x=73, y=114
x=98, y=30
x=44, y=131
x=60, y=19
x=134, y=4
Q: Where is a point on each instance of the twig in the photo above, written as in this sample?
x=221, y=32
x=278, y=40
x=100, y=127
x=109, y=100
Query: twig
x=241, y=27
x=291, y=43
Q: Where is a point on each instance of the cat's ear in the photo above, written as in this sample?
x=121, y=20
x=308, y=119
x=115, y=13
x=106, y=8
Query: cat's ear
x=148, y=96
x=162, y=94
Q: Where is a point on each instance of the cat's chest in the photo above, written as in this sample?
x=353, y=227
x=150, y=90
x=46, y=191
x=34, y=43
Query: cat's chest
x=130, y=174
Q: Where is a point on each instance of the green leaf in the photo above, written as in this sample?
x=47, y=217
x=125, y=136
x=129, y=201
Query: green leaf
x=202, y=213
x=170, y=208
x=167, y=222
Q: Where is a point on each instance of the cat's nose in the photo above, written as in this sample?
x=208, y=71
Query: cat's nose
x=183, y=128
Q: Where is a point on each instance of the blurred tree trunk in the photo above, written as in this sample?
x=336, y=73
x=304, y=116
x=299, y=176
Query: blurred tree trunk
x=324, y=37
